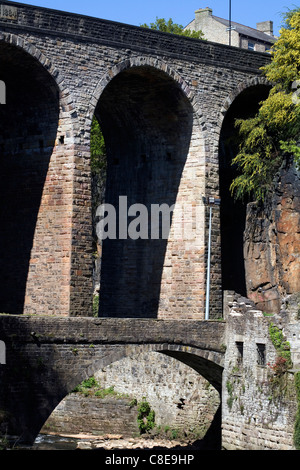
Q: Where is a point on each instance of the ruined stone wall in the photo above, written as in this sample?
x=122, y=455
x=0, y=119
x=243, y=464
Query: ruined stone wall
x=259, y=408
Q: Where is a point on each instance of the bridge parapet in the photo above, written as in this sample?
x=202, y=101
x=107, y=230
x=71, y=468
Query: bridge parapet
x=48, y=21
x=206, y=335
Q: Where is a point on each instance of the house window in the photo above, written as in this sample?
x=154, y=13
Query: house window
x=261, y=354
x=240, y=352
x=251, y=46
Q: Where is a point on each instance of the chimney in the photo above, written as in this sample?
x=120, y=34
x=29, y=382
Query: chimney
x=203, y=12
x=265, y=27
x=201, y=17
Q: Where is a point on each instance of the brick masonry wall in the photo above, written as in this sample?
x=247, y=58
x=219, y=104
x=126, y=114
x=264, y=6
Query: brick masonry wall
x=84, y=55
x=77, y=414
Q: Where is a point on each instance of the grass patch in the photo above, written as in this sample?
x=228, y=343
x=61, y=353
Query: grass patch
x=91, y=387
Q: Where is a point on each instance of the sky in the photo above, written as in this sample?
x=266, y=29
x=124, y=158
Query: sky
x=137, y=12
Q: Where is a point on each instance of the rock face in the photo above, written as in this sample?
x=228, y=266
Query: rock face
x=272, y=243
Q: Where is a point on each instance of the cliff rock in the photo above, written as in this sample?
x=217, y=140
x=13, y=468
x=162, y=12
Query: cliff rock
x=272, y=243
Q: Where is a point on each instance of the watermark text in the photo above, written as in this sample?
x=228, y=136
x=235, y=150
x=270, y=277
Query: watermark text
x=140, y=222
x=2, y=92
x=2, y=352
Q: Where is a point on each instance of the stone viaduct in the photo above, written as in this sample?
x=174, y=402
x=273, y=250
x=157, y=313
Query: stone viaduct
x=166, y=105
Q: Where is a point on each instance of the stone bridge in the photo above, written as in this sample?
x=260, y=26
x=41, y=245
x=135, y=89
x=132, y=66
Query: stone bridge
x=46, y=357
x=166, y=105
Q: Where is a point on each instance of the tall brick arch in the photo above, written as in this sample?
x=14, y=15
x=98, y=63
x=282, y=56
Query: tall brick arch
x=66, y=100
x=252, y=82
x=243, y=102
x=39, y=123
x=141, y=61
x=158, y=105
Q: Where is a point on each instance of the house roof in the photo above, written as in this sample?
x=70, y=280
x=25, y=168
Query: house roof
x=243, y=30
x=246, y=30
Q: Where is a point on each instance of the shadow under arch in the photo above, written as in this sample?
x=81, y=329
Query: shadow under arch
x=28, y=129
x=242, y=104
x=199, y=360
x=147, y=123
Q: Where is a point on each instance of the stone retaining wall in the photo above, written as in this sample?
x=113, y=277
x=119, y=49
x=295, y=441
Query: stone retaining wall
x=91, y=415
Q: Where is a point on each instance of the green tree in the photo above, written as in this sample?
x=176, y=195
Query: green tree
x=98, y=170
x=273, y=134
x=98, y=151
x=169, y=27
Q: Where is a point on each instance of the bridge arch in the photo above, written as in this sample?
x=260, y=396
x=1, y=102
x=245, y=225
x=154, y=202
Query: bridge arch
x=256, y=81
x=142, y=61
x=153, y=131
x=243, y=102
x=36, y=129
x=2, y=92
x=65, y=96
x=206, y=363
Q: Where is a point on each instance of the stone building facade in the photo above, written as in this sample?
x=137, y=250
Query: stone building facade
x=217, y=30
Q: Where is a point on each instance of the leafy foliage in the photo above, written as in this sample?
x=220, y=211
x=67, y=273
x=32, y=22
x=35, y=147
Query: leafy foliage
x=146, y=417
x=169, y=27
x=98, y=151
x=280, y=344
x=297, y=421
x=91, y=387
x=98, y=169
x=273, y=134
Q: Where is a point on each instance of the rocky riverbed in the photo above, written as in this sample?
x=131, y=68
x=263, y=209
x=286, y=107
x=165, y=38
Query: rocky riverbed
x=111, y=442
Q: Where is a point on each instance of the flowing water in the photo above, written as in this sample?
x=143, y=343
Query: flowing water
x=52, y=442
x=56, y=442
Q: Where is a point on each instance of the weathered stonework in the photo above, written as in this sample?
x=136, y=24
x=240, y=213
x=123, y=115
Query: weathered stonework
x=180, y=397
x=257, y=415
x=81, y=415
x=60, y=70
x=90, y=63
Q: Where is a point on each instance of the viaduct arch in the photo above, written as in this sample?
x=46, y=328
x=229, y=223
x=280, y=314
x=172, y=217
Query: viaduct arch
x=152, y=136
x=31, y=193
x=242, y=103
